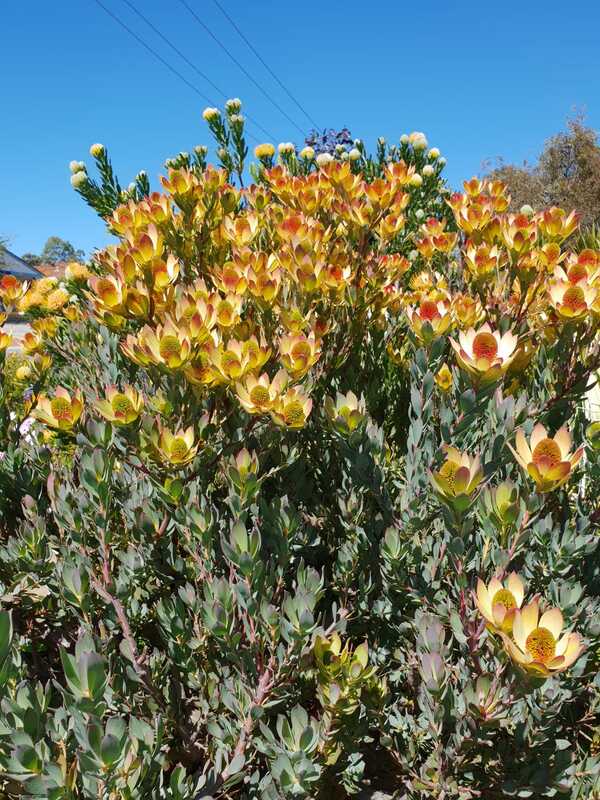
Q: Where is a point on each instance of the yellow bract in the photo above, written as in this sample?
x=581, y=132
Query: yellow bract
x=498, y=602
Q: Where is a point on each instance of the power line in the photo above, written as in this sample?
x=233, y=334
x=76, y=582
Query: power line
x=240, y=66
x=191, y=64
x=163, y=61
x=264, y=63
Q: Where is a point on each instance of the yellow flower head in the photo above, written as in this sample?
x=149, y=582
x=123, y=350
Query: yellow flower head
x=120, y=408
x=346, y=413
x=292, y=409
x=77, y=272
x=443, y=378
x=548, y=461
x=497, y=603
x=176, y=449
x=61, y=411
x=259, y=395
x=458, y=478
x=265, y=151
x=467, y=311
x=57, y=299
x=5, y=340
x=485, y=354
x=168, y=346
x=538, y=644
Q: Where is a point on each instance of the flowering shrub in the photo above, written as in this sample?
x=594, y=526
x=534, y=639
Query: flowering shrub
x=299, y=496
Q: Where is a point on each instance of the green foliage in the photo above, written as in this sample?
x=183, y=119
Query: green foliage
x=291, y=613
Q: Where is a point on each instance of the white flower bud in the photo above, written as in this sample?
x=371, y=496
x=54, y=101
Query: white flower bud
x=418, y=140
x=419, y=213
x=286, y=147
x=442, y=162
x=201, y=149
x=344, y=156
x=78, y=179
x=416, y=180
x=324, y=158
x=354, y=154
x=307, y=152
x=434, y=153
x=413, y=255
x=404, y=139
x=428, y=170
x=233, y=105
x=77, y=166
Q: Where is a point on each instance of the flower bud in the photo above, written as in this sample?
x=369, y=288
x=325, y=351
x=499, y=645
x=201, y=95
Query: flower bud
x=96, y=150
x=307, y=152
x=324, y=158
x=442, y=162
x=416, y=180
x=404, y=139
x=418, y=140
x=201, y=149
x=428, y=170
x=357, y=142
x=79, y=179
x=77, y=166
x=286, y=147
x=527, y=210
x=354, y=154
x=233, y=105
x=434, y=153
x=210, y=114
x=381, y=140
x=419, y=213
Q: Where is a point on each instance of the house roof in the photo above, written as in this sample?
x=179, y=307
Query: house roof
x=13, y=265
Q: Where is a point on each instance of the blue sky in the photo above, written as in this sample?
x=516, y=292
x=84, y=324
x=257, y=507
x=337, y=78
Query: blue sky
x=481, y=80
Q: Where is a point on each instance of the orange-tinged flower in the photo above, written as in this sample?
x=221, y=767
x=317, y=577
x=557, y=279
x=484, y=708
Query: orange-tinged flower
x=485, y=354
x=548, y=461
x=292, y=409
x=120, y=408
x=241, y=229
x=554, y=223
x=430, y=319
x=458, y=478
x=109, y=292
x=497, y=603
x=32, y=342
x=11, y=289
x=298, y=353
x=61, y=411
x=572, y=301
x=258, y=353
x=483, y=261
x=519, y=232
x=467, y=311
x=147, y=245
x=538, y=644
x=259, y=395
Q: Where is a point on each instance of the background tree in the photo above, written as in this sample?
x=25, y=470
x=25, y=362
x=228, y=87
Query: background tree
x=567, y=174
x=57, y=249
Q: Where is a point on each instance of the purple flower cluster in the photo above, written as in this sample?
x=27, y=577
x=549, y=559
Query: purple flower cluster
x=328, y=140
